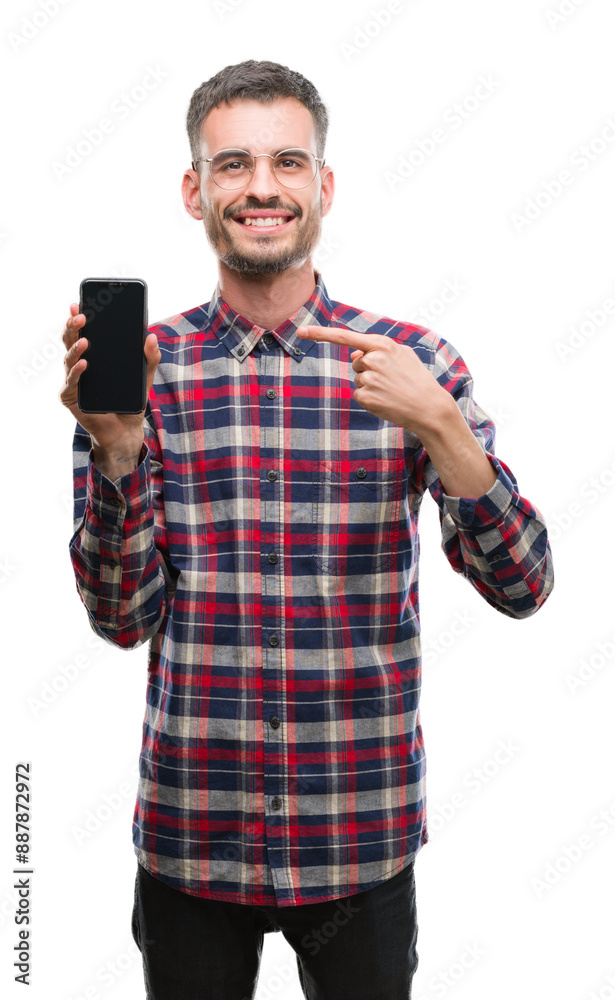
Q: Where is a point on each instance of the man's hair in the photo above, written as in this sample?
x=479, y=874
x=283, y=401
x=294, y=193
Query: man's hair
x=258, y=81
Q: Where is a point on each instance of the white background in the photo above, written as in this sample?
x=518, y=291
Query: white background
x=498, y=875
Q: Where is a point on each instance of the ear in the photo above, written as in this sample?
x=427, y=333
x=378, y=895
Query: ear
x=191, y=193
x=327, y=180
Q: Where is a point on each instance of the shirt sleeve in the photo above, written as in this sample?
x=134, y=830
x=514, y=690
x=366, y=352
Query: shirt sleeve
x=498, y=541
x=118, y=549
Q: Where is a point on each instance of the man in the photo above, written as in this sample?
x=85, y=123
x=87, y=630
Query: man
x=258, y=524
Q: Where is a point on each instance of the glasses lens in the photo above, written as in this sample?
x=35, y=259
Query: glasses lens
x=231, y=168
x=295, y=168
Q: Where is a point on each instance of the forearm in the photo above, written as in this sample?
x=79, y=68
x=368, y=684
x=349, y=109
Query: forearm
x=491, y=534
x=462, y=466
x=114, y=556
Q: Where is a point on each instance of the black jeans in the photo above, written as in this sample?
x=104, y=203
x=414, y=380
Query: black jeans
x=360, y=947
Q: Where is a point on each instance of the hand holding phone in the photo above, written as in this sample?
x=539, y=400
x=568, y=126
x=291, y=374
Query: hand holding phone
x=116, y=437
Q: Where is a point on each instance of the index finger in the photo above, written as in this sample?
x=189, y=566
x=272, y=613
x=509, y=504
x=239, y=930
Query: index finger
x=73, y=326
x=348, y=338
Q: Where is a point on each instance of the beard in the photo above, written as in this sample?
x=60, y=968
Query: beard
x=262, y=259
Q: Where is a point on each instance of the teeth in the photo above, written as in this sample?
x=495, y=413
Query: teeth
x=264, y=222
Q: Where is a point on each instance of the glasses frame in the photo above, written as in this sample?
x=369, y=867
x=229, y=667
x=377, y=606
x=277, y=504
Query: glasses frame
x=273, y=156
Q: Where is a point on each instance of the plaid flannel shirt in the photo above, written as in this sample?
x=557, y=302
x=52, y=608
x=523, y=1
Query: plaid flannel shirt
x=267, y=547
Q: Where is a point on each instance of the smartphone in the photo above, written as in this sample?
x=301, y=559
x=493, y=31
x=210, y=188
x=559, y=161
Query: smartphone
x=115, y=327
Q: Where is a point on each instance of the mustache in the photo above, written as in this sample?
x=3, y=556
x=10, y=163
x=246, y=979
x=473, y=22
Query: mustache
x=229, y=213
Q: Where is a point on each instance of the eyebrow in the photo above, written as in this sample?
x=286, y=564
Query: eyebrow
x=272, y=151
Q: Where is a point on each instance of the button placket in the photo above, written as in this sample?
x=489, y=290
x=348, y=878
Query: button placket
x=270, y=368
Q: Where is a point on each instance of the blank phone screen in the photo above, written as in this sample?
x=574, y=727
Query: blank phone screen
x=115, y=327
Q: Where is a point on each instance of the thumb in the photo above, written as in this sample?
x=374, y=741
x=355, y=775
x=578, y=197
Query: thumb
x=152, y=356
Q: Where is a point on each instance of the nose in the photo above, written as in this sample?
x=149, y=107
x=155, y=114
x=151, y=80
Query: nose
x=263, y=183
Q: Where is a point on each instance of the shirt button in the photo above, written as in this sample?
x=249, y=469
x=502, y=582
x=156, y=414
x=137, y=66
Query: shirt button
x=272, y=475
x=297, y=350
x=241, y=350
x=112, y=564
x=269, y=338
x=274, y=640
x=496, y=558
x=275, y=722
x=272, y=558
x=271, y=394
x=361, y=473
x=276, y=803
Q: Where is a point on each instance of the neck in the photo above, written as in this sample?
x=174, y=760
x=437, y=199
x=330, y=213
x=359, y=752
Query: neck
x=267, y=299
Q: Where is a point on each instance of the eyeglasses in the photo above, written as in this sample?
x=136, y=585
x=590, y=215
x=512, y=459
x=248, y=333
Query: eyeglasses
x=232, y=168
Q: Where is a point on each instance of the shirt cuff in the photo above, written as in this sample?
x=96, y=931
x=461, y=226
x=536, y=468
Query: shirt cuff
x=492, y=506
x=127, y=496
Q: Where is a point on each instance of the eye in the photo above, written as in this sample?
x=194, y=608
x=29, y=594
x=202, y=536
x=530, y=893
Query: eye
x=231, y=162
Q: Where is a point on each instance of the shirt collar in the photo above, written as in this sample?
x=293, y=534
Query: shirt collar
x=240, y=336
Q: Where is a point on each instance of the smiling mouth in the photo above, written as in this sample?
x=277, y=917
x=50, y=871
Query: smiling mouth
x=264, y=224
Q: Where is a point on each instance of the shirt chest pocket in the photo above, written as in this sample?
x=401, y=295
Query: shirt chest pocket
x=355, y=515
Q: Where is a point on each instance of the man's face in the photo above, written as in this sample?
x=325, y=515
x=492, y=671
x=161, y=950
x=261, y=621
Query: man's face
x=259, y=128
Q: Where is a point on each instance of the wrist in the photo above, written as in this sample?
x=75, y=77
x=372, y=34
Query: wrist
x=119, y=458
x=439, y=417
x=119, y=448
